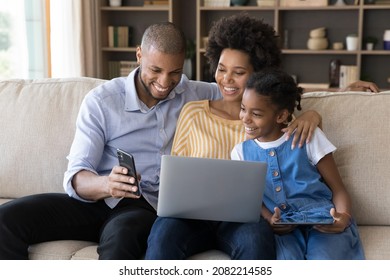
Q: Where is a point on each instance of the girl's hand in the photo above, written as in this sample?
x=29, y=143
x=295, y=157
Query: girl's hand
x=279, y=229
x=341, y=222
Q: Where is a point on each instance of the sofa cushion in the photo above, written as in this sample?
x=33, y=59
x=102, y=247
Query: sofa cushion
x=375, y=241
x=60, y=250
x=355, y=123
x=87, y=253
x=37, y=121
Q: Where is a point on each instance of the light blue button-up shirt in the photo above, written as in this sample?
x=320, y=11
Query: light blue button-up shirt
x=112, y=116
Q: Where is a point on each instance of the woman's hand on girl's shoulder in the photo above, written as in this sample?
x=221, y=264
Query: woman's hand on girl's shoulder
x=304, y=127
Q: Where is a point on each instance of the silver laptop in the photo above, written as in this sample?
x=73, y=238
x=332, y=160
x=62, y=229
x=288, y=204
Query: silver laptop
x=211, y=189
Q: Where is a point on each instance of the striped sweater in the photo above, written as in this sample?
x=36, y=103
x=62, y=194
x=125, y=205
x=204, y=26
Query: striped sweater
x=199, y=133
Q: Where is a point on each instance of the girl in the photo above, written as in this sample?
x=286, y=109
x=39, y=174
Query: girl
x=301, y=183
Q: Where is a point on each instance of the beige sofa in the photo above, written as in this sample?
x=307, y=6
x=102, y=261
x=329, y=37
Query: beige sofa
x=37, y=122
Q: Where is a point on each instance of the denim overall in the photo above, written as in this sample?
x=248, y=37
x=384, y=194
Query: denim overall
x=295, y=186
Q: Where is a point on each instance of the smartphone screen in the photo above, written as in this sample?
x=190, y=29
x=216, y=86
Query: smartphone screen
x=127, y=160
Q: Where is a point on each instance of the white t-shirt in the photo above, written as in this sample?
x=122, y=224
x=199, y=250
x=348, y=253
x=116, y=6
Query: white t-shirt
x=318, y=147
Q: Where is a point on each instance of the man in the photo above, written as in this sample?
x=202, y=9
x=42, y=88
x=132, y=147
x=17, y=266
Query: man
x=137, y=114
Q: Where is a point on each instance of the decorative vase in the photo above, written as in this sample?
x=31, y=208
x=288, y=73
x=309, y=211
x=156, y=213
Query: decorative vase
x=338, y=46
x=318, y=33
x=317, y=43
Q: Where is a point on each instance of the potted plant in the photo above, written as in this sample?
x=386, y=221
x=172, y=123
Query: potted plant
x=370, y=42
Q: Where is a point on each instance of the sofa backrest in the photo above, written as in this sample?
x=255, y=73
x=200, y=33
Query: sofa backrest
x=357, y=124
x=37, y=125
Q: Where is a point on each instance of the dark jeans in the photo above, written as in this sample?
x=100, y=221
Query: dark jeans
x=173, y=238
x=121, y=232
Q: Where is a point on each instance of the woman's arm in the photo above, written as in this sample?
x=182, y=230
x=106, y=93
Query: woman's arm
x=361, y=86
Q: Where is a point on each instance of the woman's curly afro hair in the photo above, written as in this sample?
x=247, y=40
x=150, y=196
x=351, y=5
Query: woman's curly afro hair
x=245, y=33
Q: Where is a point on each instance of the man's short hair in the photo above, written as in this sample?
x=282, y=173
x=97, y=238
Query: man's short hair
x=165, y=37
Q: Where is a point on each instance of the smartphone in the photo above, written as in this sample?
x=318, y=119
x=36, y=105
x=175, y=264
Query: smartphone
x=307, y=221
x=127, y=160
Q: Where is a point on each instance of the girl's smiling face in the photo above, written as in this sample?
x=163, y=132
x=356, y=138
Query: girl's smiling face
x=262, y=120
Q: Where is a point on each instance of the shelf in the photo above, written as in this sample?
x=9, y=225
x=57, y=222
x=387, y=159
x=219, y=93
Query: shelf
x=375, y=52
x=237, y=8
x=306, y=51
x=135, y=9
x=196, y=20
x=339, y=21
x=132, y=14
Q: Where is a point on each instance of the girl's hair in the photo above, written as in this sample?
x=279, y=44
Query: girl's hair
x=279, y=87
x=244, y=33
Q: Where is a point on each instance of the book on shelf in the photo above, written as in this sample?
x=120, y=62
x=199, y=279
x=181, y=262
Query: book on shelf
x=120, y=68
x=348, y=75
x=120, y=36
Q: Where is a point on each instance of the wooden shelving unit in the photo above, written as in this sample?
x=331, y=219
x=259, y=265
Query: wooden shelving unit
x=312, y=66
x=131, y=13
x=309, y=66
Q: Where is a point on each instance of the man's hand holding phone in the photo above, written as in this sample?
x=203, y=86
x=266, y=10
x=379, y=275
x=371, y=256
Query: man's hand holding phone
x=122, y=185
x=123, y=180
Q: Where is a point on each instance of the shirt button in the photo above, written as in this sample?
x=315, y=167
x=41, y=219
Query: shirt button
x=278, y=188
x=272, y=153
x=275, y=173
x=283, y=206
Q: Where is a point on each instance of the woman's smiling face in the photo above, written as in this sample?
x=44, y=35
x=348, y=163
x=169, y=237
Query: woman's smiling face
x=233, y=71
